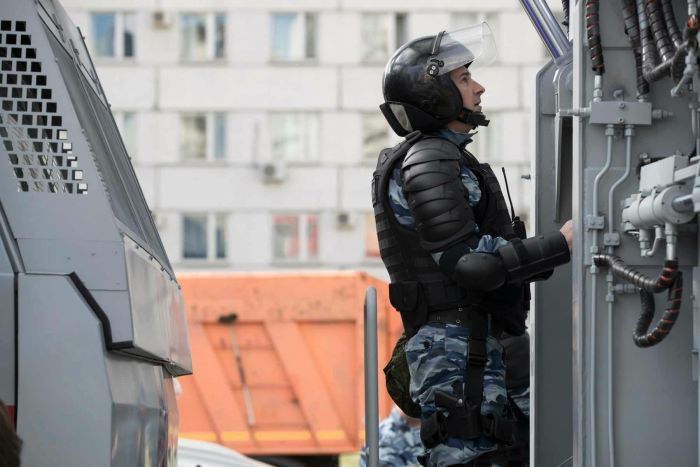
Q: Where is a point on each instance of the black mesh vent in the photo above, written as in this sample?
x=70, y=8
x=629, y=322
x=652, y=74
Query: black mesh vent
x=31, y=129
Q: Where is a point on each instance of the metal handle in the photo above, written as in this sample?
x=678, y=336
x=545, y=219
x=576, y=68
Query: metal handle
x=557, y=165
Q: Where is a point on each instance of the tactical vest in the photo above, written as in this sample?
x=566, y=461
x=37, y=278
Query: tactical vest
x=418, y=285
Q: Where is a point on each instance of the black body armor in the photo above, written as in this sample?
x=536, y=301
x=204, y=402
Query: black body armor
x=418, y=284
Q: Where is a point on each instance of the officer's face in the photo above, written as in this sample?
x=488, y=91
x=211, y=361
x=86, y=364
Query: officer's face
x=469, y=88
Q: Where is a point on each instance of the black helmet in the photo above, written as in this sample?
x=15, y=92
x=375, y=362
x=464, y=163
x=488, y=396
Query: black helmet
x=418, y=91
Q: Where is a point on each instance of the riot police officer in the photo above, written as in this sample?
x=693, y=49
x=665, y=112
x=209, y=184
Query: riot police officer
x=458, y=269
x=399, y=441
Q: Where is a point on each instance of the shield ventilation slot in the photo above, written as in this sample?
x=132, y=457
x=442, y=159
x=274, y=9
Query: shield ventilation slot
x=31, y=129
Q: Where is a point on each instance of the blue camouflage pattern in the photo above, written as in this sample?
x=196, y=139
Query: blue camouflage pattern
x=521, y=398
x=397, y=199
x=399, y=443
x=436, y=355
x=436, y=358
x=399, y=204
x=402, y=213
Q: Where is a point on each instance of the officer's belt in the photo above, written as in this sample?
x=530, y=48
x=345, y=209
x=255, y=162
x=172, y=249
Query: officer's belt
x=460, y=316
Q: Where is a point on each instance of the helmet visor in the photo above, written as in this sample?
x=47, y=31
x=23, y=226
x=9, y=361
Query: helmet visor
x=473, y=44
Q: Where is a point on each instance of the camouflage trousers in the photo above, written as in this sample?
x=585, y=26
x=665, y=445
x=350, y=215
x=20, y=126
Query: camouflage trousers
x=436, y=358
x=521, y=397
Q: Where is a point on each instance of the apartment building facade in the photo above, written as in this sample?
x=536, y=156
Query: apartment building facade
x=253, y=125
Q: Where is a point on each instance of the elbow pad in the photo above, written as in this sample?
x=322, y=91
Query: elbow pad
x=523, y=259
x=480, y=271
x=512, y=263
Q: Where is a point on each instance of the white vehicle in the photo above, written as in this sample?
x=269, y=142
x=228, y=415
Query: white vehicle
x=193, y=453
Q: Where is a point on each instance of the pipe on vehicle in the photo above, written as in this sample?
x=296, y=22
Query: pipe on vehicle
x=549, y=30
x=631, y=19
x=673, y=58
x=670, y=279
x=653, y=71
x=657, y=24
x=642, y=336
x=565, y=8
x=609, y=133
x=618, y=267
x=629, y=133
x=593, y=32
x=673, y=31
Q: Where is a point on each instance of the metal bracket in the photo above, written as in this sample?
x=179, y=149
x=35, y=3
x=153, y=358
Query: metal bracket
x=595, y=222
x=611, y=239
x=620, y=113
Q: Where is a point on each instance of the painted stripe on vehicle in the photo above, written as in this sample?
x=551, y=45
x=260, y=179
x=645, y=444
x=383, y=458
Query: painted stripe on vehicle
x=302, y=435
x=235, y=436
x=199, y=435
x=330, y=435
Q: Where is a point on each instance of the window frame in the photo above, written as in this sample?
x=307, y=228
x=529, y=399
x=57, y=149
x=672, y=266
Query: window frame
x=303, y=229
x=312, y=135
x=213, y=220
x=392, y=34
x=210, y=137
x=119, y=35
x=210, y=33
x=305, y=58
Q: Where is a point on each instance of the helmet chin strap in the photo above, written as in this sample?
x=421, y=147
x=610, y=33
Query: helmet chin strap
x=473, y=118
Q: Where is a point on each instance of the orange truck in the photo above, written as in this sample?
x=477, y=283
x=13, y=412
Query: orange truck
x=278, y=362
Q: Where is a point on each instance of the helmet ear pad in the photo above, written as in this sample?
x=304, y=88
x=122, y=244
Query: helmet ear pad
x=440, y=104
x=455, y=97
x=438, y=96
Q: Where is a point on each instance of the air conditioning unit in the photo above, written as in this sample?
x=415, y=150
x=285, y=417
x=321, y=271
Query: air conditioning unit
x=163, y=19
x=344, y=220
x=273, y=171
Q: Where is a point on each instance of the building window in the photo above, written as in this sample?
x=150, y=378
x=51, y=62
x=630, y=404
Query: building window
x=194, y=235
x=204, y=236
x=113, y=34
x=295, y=237
x=294, y=137
x=202, y=36
x=375, y=134
x=128, y=128
x=382, y=34
x=293, y=36
x=371, y=240
x=203, y=137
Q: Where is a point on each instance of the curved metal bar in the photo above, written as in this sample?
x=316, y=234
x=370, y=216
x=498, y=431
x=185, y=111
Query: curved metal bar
x=549, y=30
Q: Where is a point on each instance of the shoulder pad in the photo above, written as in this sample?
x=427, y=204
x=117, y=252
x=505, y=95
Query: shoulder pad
x=390, y=155
x=431, y=149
